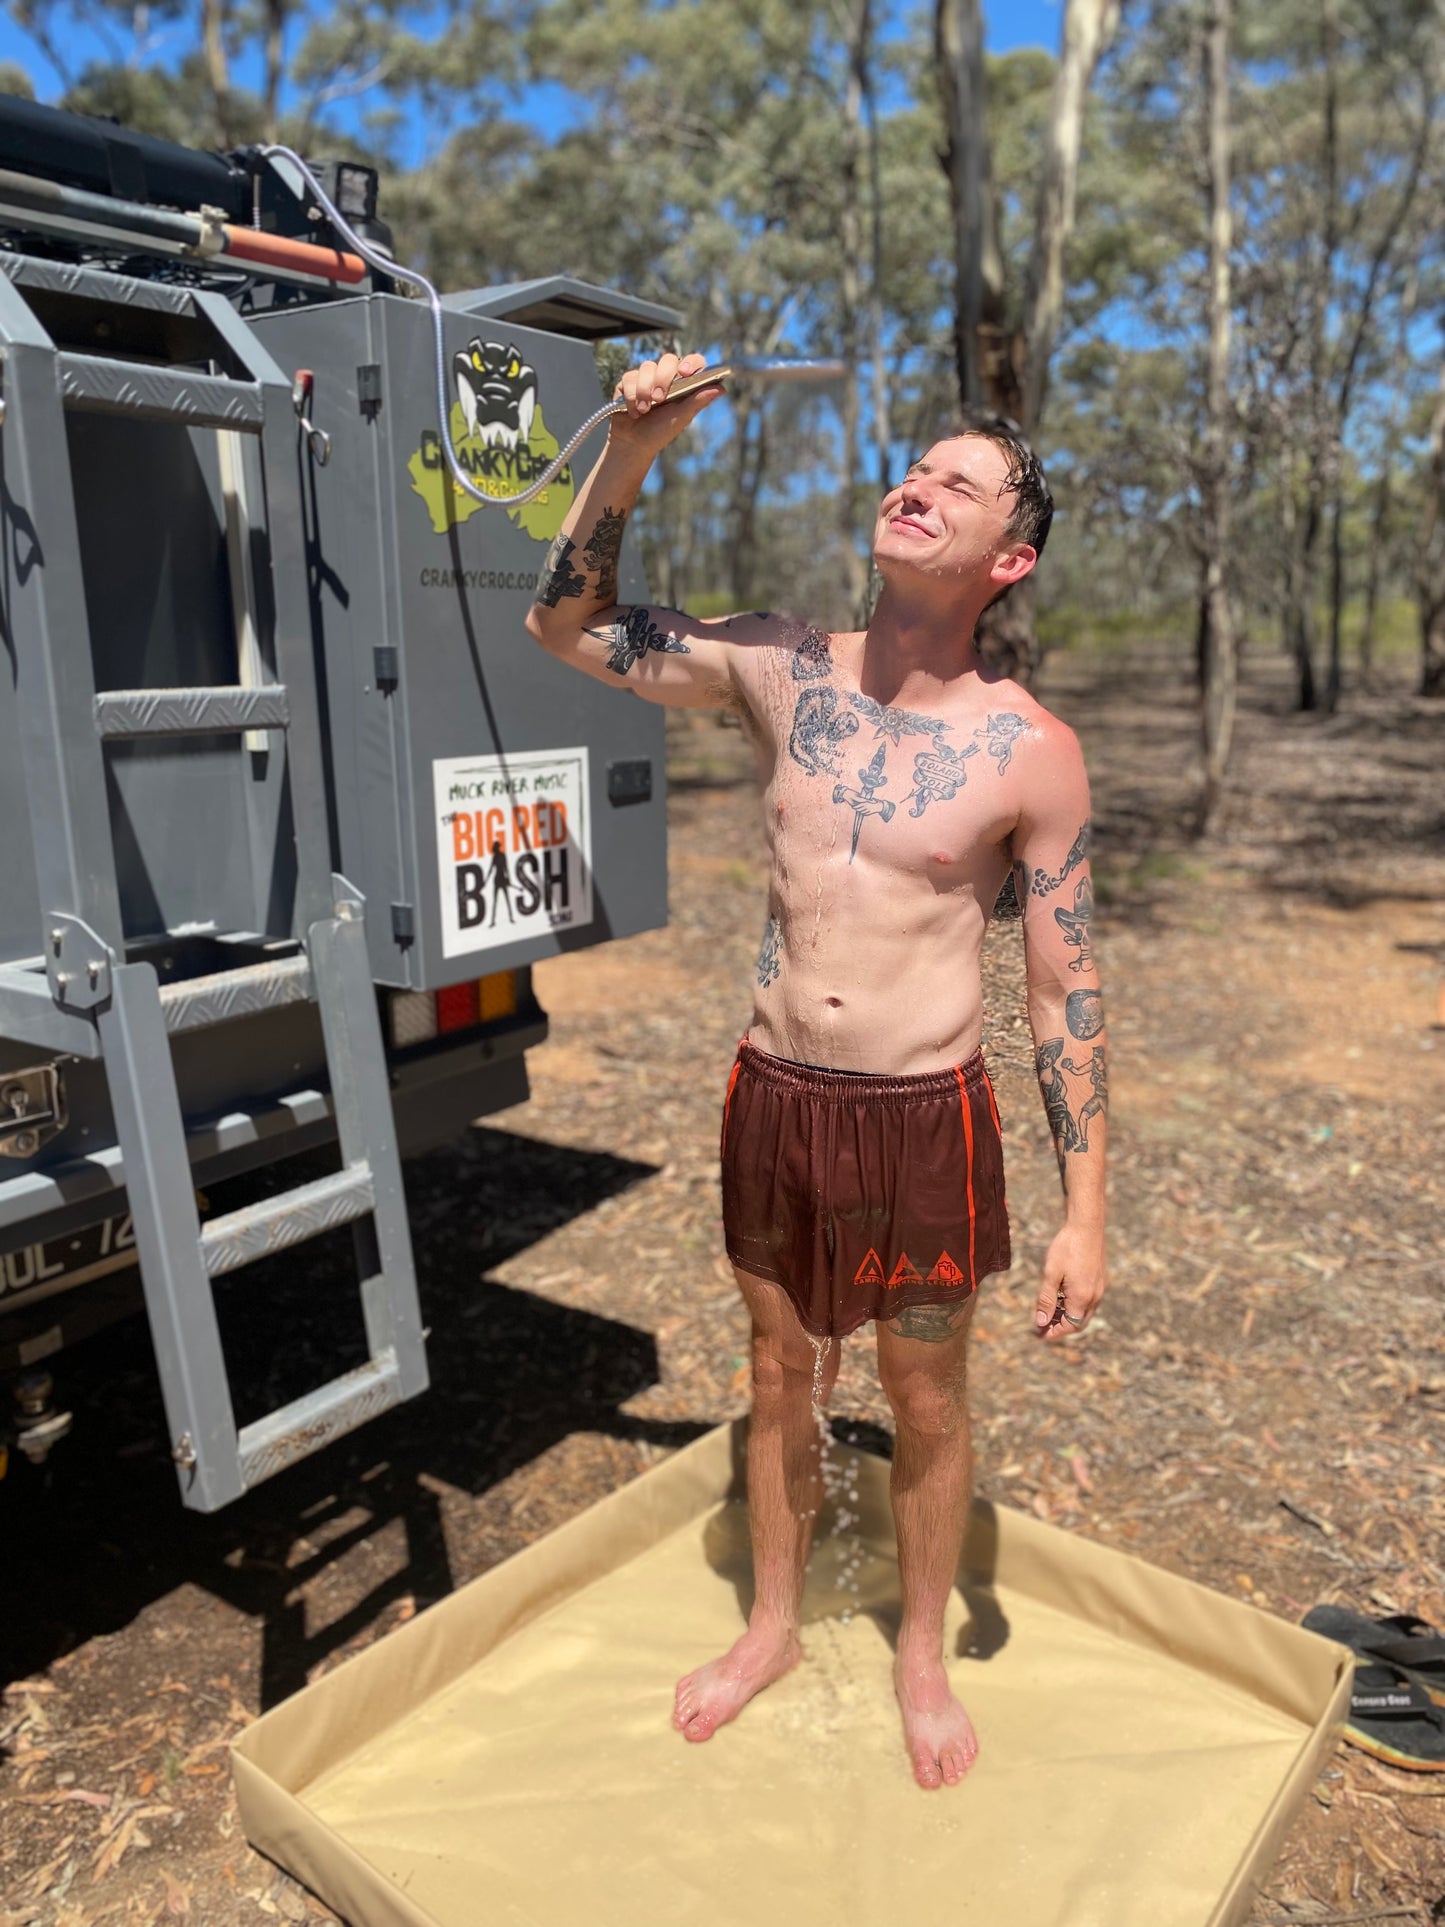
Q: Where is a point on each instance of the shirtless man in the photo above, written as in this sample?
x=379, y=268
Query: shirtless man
x=862, y=1164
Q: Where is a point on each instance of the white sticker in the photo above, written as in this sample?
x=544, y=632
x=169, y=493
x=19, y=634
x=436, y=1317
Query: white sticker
x=514, y=847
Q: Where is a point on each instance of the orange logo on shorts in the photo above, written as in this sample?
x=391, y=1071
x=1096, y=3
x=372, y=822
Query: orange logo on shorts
x=905, y=1272
x=870, y=1272
x=945, y=1272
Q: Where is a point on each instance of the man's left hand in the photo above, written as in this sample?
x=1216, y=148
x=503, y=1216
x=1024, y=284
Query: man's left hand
x=1074, y=1281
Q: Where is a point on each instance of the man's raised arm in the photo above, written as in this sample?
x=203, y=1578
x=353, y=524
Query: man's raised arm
x=1066, y=1014
x=662, y=654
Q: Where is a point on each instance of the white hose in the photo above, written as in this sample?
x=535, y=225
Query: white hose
x=765, y=368
x=384, y=264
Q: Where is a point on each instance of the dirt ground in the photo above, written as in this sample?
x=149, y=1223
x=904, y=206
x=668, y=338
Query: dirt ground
x=1259, y=1407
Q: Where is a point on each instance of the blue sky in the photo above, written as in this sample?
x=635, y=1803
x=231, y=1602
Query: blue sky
x=1009, y=24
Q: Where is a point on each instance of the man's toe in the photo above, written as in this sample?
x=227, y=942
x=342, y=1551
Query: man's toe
x=701, y=1726
x=925, y=1767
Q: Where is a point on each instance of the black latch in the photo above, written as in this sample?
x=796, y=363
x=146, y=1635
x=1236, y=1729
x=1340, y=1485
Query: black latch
x=630, y=782
x=368, y=389
x=403, y=925
x=386, y=667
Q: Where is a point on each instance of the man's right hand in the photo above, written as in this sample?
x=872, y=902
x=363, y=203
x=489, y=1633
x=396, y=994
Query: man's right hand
x=651, y=421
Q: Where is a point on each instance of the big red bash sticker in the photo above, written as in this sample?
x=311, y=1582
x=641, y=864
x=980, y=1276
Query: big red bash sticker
x=514, y=847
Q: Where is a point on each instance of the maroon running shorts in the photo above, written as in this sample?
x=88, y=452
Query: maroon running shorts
x=862, y=1195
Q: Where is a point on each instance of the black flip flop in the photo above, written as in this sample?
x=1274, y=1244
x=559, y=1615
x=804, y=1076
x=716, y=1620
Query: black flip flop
x=1401, y=1640
x=1395, y=1720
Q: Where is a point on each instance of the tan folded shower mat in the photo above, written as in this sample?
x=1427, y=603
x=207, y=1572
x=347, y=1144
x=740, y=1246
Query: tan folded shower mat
x=507, y=1757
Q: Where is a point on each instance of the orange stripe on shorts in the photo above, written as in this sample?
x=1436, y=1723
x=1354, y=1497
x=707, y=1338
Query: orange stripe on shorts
x=968, y=1144
x=728, y=1102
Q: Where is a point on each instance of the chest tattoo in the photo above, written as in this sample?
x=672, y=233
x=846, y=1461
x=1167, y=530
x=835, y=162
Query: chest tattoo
x=862, y=801
x=819, y=726
x=939, y=774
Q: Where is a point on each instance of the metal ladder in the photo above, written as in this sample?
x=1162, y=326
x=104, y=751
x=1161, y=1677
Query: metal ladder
x=64, y=726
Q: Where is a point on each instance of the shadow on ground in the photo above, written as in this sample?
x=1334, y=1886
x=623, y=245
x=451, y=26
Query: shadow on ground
x=100, y=1534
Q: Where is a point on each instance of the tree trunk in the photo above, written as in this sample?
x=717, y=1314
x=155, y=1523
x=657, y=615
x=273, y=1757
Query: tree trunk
x=1089, y=28
x=1379, y=519
x=850, y=284
x=968, y=165
x=1218, y=648
x=218, y=76
x=1430, y=559
x=275, y=55
x=882, y=395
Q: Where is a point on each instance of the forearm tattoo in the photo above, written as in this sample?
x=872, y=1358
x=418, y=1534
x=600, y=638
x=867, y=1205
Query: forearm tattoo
x=559, y=579
x=1084, y=1013
x=604, y=546
x=1069, y=1123
x=636, y=636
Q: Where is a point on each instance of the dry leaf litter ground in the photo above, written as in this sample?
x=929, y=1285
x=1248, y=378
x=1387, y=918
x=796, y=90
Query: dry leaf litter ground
x=1260, y=1405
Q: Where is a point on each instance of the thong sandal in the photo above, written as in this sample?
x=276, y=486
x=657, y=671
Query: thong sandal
x=1395, y=1720
x=1401, y=1640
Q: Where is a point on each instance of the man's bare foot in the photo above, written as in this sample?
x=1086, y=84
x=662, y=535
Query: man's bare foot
x=718, y=1692
x=939, y=1735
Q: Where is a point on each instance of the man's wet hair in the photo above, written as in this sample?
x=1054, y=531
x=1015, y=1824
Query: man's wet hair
x=1033, y=509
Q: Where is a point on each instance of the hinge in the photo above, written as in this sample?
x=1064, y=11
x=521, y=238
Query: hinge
x=403, y=924
x=386, y=666
x=32, y=1110
x=368, y=389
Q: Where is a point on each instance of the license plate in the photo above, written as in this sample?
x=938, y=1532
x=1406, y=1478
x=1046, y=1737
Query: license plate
x=38, y=1271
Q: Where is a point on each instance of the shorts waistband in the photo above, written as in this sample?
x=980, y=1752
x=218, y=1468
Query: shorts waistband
x=859, y=1087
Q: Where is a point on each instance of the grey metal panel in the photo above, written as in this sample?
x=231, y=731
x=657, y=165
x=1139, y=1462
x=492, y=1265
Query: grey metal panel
x=274, y=1224
x=190, y=712
x=157, y=590
x=29, y=1013
x=152, y=1142
x=563, y=305
x=472, y=682
x=297, y=1430
x=159, y=394
x=203, y=1002
x=95, y=284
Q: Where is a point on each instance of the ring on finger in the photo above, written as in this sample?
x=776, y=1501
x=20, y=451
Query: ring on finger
x=1075, y=1322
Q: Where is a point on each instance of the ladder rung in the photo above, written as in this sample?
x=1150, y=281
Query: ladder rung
x=202, y=1001
x=304, y=1426
x=255, y=1231
x=159, y=394
x=190, y=712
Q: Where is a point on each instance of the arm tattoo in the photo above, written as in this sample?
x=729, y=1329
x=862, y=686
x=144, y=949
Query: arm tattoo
x=933, y=1324
x=1002, y=733
x=1097, y=1102
x=1075, y=926
x=768, y=964
x=1084, y=1013
x=559, y=578
x=634, y=637
x=1056, y=1098
x=1044, y=884
x=604, y=546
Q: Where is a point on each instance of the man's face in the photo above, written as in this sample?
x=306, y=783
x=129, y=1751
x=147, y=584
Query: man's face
x=948, y=519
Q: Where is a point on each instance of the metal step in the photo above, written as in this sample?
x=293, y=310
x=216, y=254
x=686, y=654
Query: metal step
x=200, y=1002
x=258, y=1230
x=107, y=387
x=303, y=1427
x=126, y=713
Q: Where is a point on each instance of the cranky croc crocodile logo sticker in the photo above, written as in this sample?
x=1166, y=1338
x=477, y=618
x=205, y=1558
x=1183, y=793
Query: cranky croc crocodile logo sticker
x=502, y=442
